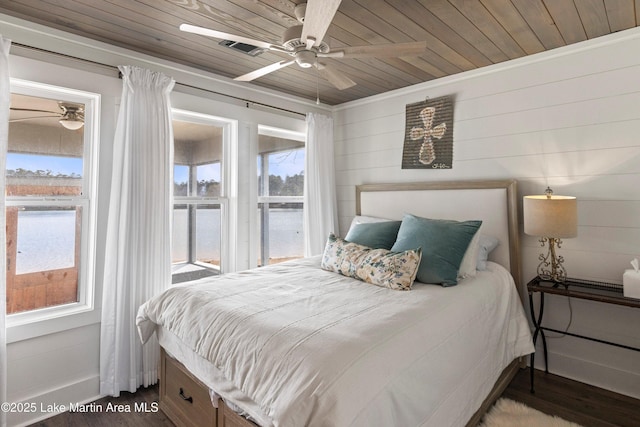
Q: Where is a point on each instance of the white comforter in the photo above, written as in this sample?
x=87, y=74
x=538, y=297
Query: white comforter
x=294, y=345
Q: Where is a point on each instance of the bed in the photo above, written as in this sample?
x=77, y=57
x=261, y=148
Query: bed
x=294, y=344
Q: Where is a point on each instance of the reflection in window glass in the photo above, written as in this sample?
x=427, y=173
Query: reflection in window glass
x=47, y=157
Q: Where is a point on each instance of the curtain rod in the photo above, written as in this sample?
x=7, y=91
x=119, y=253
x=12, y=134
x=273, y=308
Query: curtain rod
x=247, y=102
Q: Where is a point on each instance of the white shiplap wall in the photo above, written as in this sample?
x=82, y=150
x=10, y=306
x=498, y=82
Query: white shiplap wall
x=570, y=119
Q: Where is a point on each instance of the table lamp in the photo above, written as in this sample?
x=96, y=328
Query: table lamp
x=551, y=218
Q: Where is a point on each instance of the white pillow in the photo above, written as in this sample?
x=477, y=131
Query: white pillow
x=470, y=259
x=364, y=219
x=485, y=245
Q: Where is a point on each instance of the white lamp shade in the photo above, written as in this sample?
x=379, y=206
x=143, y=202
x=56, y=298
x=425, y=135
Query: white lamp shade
x=554, y=216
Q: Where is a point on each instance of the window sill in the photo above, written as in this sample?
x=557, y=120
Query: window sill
x=34, y=324
x=187, y=272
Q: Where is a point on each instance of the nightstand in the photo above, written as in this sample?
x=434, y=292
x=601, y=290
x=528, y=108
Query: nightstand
x=573, y=288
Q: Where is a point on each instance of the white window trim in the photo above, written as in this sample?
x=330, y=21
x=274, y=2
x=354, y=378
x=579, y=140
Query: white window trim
x=228, y=172
x=34, y=323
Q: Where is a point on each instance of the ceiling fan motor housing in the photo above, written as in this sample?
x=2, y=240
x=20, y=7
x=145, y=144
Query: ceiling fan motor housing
x=292, y=40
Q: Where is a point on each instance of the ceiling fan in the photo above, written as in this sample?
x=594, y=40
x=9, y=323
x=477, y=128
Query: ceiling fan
x=305, y=44
x=71, y=115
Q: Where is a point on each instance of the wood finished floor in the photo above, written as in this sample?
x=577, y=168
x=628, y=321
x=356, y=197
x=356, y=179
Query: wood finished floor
x=574, y=401
x=577, y=402
x=110, y=419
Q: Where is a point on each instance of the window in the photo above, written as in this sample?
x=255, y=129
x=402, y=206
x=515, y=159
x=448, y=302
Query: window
x=281, y=158
x=200, y=197
x=50, y=186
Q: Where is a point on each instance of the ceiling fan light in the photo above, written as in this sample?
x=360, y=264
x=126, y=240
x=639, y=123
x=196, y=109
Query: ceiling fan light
x=306, y=58
x=71, y=124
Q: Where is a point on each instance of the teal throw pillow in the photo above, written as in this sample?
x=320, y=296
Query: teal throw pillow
x=377, y=235
x=443, y=243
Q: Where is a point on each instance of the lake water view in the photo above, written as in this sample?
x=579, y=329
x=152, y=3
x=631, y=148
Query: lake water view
x=46, y=239
x=285, y=234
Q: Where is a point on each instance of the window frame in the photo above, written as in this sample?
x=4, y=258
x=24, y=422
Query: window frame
x=262, y=201
x=227, y=166
x=45, y=320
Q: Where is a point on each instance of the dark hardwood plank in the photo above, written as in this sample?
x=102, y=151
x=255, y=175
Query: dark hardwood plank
x=574, y=401
x=143, y=397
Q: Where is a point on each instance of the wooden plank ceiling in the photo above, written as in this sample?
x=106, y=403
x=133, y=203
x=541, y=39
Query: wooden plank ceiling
x=460, y=34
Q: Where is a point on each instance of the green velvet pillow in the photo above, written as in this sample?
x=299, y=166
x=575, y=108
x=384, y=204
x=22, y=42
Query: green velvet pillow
x=377, y=235
x=443, y=243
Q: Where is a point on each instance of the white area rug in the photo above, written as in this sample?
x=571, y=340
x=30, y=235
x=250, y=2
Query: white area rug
x=507, y=413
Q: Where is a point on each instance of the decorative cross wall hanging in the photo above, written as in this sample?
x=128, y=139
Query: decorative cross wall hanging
x=428, y=141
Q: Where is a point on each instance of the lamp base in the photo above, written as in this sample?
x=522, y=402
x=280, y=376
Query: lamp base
x=550, y=267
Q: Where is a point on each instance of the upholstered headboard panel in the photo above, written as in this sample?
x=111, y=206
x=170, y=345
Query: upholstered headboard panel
x=493, y=202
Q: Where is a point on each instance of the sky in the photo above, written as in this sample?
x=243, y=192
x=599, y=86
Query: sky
x=282, y=164
x=32, y=162
x=286, y=164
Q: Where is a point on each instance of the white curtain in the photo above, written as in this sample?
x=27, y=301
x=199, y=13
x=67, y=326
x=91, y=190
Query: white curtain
x=5, y=100
x=320, y=207
x=138, y=252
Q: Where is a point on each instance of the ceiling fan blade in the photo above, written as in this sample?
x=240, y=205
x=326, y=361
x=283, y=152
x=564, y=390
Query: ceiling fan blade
x=317, y=19
x=23, y=119
x=336, y=78
x=391, y=50
x=35, y=111
x=226, y=36
x=262, y=71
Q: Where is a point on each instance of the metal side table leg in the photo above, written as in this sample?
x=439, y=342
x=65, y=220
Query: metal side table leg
x=537, y=321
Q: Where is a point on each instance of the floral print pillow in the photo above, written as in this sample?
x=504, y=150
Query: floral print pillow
x=393, y=270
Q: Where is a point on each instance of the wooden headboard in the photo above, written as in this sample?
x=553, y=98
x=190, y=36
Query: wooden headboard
x=493, y=202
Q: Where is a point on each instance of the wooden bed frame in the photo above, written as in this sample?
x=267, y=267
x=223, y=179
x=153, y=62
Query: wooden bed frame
x=186, y=400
